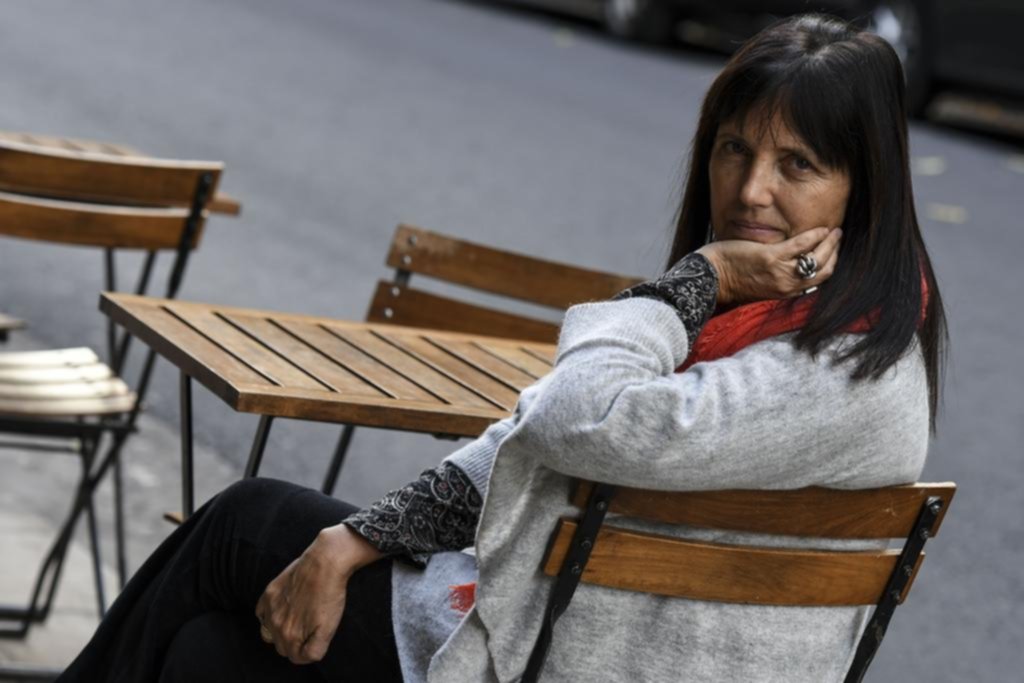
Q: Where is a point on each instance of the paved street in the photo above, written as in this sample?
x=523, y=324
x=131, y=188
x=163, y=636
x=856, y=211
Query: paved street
x=339, y=119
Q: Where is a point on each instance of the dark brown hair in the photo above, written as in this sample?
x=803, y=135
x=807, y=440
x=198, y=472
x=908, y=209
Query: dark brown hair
x=842, y=91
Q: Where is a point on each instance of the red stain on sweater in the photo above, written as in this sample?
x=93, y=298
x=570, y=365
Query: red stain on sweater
x=462, y=596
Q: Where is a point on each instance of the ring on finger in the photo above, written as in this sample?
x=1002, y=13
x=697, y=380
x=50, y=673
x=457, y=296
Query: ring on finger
x=810, y=290
x=806, y=266
x=265, y=634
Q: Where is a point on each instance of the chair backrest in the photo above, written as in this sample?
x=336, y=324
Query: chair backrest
x=474, y=266
x=588, y=551
x=88, y=194
x=109, y=178
x=98, y=225
x=774, y=576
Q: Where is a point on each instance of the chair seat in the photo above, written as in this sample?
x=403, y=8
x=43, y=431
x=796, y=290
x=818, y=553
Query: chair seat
x=60, y=383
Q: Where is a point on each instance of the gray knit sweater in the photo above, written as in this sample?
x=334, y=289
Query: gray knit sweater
x=614, y=410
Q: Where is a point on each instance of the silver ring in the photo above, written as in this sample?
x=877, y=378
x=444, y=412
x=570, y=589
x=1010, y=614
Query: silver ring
x=806, y=266
x=810, y=290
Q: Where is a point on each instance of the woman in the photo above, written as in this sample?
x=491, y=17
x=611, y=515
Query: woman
x=765, y=357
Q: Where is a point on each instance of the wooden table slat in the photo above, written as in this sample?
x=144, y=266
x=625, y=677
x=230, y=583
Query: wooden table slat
x=470, y=353
x=265, y=361
x=371, y=370
x=217, y=369
x=517, y=358
x=412, y=368
x=419, y=416
x=455, y=369
x=308, y=357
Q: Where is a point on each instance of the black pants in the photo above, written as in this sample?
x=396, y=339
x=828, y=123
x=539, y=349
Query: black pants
x=189, y=613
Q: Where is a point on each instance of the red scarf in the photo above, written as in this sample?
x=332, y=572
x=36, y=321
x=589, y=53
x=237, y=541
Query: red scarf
x=732, y=331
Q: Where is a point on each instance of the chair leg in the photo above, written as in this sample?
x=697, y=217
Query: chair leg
x=331, y=478
x=44, y=589
x=119, y=535
x=97, y=559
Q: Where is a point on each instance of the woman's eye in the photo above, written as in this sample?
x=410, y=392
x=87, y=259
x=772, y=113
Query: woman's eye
x=733, y=147
x=802, y=164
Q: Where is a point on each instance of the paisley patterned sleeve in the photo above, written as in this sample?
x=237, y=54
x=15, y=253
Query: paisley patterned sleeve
x=690, y=287
x=437, y=512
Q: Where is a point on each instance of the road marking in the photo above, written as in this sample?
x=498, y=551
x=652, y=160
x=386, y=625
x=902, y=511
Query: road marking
x=564, y=38
x=946, y=213
x=928, y=165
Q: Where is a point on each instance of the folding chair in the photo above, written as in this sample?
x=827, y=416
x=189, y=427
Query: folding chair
x=109, y=201
x=586, y=550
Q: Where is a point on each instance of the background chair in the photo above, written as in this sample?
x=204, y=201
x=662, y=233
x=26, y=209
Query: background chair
x=69, y=398
x=470, y=266
x=585, y=550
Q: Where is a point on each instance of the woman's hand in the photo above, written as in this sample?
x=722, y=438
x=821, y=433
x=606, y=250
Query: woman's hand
x=300, y=610
x=751, y=271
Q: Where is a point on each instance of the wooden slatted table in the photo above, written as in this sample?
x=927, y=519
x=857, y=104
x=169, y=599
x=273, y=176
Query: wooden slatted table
x=311, y=368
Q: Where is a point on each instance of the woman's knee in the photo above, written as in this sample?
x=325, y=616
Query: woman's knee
x=249, y=497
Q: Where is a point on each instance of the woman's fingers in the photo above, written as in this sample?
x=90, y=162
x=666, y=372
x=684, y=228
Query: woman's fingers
x=826, y=254
x=822, y=245
x=804, y=243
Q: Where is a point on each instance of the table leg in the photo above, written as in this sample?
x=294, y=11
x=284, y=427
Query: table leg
x=187, y=489
x=258, y=444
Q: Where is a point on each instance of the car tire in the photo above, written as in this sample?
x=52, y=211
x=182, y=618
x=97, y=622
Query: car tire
x=902, y=23
x=648, y=21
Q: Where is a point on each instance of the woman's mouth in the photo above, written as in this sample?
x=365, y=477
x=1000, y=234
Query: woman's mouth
x=755, y=231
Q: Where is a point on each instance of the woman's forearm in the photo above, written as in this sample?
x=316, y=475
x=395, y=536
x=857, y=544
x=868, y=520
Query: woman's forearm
x=437, y=512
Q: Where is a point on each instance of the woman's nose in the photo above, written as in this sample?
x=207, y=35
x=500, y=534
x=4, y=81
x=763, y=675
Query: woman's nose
x=758, y=186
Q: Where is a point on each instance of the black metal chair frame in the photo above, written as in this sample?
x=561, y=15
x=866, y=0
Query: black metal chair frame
x=582, y=544
x=98, y=444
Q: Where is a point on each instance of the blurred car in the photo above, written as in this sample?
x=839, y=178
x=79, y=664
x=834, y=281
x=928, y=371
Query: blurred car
x=959, y=42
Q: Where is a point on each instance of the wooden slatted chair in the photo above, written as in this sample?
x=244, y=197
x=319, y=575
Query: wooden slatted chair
x=113, y=202
x=590, y=551
x=37, y=146
x=512, y=276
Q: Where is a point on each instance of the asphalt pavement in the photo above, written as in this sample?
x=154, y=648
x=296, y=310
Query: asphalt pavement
x=337, y=119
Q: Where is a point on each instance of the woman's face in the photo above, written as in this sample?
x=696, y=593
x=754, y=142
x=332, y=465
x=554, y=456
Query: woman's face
x=767, y=185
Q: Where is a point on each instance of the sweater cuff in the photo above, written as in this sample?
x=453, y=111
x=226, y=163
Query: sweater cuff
x=650, y=324
x=477, y=457
x=690, y=287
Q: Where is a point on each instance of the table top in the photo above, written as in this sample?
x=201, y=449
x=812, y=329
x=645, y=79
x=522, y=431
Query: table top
x=312, y=368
